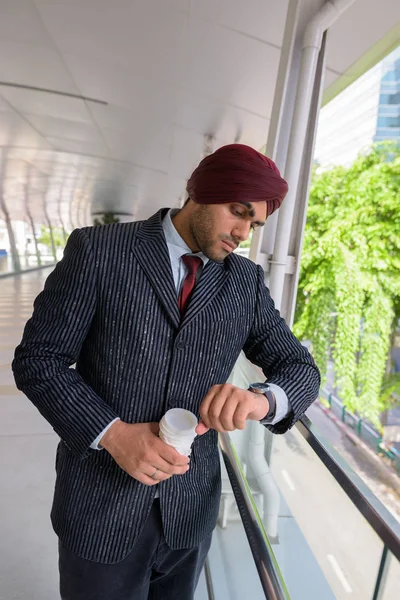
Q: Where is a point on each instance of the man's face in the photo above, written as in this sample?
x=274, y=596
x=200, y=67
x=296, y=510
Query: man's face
x=219, y=228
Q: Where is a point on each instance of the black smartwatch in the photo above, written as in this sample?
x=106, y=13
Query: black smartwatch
x=263, y=388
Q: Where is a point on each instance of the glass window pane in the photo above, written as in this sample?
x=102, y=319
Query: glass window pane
x=343, y=544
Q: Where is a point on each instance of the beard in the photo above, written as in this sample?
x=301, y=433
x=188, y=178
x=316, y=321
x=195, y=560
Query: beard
x=203, y=226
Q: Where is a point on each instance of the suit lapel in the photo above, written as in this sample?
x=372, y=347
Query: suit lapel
x=213, y=278
x=151, y=251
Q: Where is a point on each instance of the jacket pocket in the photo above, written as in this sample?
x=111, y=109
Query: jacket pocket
x=205, y=445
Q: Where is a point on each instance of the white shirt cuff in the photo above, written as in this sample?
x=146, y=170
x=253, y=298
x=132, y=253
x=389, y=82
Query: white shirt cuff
x=95, y=445
x=282, y=403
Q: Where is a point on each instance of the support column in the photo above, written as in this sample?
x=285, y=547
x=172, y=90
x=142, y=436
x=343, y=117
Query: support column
x=7, y=220
x=50, y=227
x=263, y=250
x=291, y=142
x=31, y=221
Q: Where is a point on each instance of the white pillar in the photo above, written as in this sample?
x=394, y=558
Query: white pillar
x=277, y=247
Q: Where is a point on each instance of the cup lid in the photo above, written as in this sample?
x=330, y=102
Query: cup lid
x=180, y=420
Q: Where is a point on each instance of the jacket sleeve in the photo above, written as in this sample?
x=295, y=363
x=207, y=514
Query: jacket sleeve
x=272, y=346
x=51, y=343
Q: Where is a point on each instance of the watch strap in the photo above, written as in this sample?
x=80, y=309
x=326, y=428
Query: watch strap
x=270, y=416
x=263, y=388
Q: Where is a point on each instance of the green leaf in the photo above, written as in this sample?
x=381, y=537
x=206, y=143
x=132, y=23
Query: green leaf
x=349, y=287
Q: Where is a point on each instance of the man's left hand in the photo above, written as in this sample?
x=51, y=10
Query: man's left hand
x=226, y=408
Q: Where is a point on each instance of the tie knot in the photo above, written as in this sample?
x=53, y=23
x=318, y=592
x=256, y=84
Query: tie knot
x=192, y=262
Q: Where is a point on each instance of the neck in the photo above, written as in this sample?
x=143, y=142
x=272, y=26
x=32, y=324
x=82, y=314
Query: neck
x=181, y=223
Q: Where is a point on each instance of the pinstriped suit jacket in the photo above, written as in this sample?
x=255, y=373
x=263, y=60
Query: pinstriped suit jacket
x=110, y=306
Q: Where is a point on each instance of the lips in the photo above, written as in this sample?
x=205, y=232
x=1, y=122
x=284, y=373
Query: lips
x=231, y=245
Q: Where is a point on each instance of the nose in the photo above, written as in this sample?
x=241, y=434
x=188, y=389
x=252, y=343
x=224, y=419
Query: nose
x=241, y=231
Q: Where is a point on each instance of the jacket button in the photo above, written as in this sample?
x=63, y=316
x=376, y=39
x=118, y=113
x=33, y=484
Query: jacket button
x=181, y=345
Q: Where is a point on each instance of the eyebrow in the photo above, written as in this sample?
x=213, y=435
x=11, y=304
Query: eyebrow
x=252, y=213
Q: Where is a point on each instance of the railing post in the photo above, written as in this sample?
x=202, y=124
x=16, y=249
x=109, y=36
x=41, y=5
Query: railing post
x=382, y=575
x=209, y=584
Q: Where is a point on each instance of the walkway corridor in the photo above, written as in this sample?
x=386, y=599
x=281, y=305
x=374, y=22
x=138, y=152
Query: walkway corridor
x=28, y=546
x=28, y=568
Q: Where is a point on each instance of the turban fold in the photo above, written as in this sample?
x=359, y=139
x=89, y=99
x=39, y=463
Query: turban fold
x=237, y=173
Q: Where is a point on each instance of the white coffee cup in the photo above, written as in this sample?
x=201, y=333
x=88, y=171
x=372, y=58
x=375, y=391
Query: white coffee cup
x=177, y=428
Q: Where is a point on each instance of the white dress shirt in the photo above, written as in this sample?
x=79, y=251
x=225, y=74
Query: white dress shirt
x=177, y=247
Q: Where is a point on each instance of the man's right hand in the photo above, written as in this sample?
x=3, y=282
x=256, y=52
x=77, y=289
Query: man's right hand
x=140, y=452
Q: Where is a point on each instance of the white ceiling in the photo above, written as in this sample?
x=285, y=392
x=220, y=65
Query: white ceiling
x=168, y=72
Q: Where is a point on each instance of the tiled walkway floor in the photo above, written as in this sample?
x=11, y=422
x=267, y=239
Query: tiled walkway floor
x=28, y=546
x=28, y=565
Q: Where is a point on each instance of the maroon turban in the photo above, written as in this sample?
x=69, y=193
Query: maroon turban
x=237, y=173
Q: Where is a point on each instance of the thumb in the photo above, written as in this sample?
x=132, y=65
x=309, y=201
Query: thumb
x=201, y=429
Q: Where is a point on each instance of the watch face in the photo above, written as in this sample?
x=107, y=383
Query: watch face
x=259, y=388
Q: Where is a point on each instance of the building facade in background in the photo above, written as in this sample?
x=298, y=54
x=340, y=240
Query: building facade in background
x=367, y=111
x=388, y=123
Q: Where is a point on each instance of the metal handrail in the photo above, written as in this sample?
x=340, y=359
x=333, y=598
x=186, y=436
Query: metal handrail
x=380, y=519
x=268, y=570
x=208, y=578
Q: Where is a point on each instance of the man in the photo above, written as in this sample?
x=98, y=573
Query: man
x=155, y=314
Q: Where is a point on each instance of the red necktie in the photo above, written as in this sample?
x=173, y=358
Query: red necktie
x=192, y=264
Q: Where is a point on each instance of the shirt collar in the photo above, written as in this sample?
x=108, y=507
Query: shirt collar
x=175, y=242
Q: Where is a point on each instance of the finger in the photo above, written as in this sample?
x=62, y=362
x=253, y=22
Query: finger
x=162, y=476
x=215, y=410
x=205, y=405
x=143, y=478
x=149, y=481
x=201, y=428
x=169, y=454
x=162, y=465
x=240, y=416
x=157, y=475
x=228, y=412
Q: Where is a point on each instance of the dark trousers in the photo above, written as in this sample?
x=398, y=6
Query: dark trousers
x=152, y=571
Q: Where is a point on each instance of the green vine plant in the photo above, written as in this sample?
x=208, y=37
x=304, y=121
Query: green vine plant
x=349, y=288
x=389, y=393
